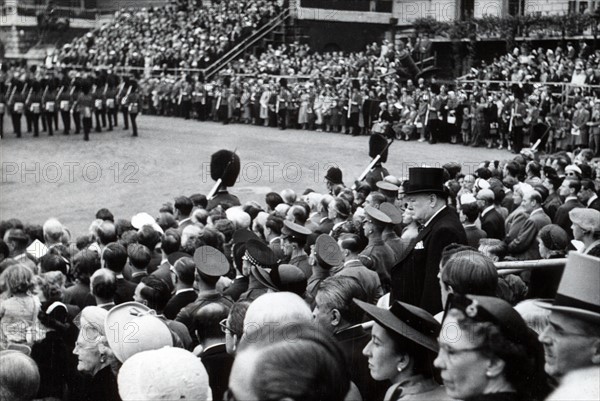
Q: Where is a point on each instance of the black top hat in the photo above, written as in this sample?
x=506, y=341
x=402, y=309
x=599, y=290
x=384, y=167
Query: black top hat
x=377, y=144
x=334, y=175
x=211, y=261
x=410, y=322
x=225, y=165
x=424, y=180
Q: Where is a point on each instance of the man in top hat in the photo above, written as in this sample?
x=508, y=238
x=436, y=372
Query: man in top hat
x=414, y=277
x=572, y=338
x=257, y=256
x=224, y=165
x=211, y=264
x=377, y=146
x=333, y=178
x=294, y=238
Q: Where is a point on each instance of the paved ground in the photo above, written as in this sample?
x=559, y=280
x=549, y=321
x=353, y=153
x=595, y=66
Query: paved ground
x=65, y=177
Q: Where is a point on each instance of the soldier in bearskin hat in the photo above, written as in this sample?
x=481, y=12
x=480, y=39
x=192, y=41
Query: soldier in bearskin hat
x=33, y=104
x=85, y=105
x=224, y=166
x=111, y=100
x=377, y=145
x=518, y=112
x=65, y=100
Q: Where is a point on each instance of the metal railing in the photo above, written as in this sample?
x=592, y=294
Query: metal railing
x=241, y=47
x=518, y=266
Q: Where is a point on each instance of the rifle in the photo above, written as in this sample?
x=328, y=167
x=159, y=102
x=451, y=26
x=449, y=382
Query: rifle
x=349, y=103
x=12, y=95
x=373, y=163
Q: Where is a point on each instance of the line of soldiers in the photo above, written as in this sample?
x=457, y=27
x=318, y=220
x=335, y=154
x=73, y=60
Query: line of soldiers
x=273, y=103
x=85, y=102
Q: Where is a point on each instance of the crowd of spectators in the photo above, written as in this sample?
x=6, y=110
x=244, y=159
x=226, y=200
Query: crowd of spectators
x=180, y=35
x=202, y=280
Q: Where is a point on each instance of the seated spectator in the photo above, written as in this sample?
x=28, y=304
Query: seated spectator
x=103, y=284
x=139, y=258
x=553, y=242
x=114, y=257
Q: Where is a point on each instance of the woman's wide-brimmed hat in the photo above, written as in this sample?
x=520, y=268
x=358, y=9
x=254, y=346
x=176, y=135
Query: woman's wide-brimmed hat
x=408, y=321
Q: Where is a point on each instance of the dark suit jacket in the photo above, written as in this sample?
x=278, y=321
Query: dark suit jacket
x=237, y=288
x=595, y=204
x=125, y=291
x=474, y=234
x=352, y=341
x=551, y=205
x=223, y=198
x=562, y=215
x=177, y=302
x=493, y=224
x=79, y=295
x=414, y=278
x=218, y=364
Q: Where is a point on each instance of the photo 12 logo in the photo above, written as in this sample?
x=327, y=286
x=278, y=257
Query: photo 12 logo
x=53, y=172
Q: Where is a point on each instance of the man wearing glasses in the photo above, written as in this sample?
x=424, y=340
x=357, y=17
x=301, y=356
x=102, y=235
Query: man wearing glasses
x=572, y=338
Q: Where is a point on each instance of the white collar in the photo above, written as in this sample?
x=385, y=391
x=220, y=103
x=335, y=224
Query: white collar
x=352, y=260
x=568, y=198
x=183, y=290
x=593, y=198
x=435, y=214
x=486, y=210
x=539, y=209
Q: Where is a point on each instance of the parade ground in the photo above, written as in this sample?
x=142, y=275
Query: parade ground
x=65, y=177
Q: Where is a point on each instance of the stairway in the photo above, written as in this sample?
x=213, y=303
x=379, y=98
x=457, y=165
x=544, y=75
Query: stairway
x=281, y=29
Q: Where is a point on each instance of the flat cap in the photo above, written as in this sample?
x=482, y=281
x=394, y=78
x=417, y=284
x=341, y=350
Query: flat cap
x=377, y=216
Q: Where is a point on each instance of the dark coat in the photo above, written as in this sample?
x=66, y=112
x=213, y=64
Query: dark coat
x=223, y=198
x=562, y=215
x=51, y=355
x=595, y=204
x=493, y=224
x=551, y=205
x=218, y=364
x=125, y=291
x=352, y=341
x=178, y=302
x=414, y=278
x=103, y=387
x=79, y=295
x=474, y=234
x=237, y=288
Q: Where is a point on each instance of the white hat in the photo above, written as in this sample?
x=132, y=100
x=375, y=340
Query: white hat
x=144, y=219
x=164, y=374
x=133, y=328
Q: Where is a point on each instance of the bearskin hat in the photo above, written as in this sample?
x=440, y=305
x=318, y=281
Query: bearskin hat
x=225, y=165
x=377, y=144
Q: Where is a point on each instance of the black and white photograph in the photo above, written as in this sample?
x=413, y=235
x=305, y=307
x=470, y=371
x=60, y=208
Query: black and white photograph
x=300, y=200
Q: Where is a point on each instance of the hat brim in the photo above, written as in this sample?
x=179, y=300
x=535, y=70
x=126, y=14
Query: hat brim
x=424, y=191
x=580, y=313
x=263, y=277
x=387, y=319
